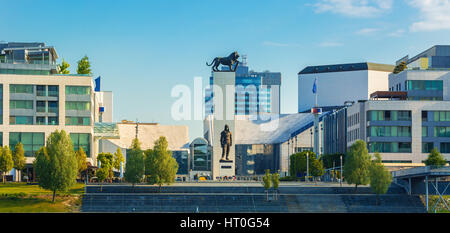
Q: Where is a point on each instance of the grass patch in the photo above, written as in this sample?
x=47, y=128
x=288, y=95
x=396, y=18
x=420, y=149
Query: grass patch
x=23, y=198
x=440, y=208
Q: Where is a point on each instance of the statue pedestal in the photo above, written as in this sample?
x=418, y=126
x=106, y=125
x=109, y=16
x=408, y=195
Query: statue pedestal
x=224, y=84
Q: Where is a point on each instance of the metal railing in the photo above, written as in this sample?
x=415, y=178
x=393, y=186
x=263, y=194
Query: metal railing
x=420, y=170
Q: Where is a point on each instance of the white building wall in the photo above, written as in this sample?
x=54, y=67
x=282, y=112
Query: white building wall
x=333, y=88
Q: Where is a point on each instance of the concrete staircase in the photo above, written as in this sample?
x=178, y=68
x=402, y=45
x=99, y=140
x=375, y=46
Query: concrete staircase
x=211, y=199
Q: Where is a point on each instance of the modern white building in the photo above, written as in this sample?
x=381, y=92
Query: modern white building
x=339, y=83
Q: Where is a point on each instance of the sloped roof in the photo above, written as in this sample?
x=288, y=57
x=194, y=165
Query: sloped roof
x=273, y=131
x=347, y=67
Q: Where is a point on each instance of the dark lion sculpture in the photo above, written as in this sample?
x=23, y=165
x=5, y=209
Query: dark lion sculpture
x=226, y=61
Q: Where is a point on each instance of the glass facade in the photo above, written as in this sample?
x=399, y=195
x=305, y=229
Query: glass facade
x=389, y=147
x=390, y=131
x=32, y=142
x=201, y=158
x=20, y=120
x=427, y=147
x=380, y=115
x=434, y=85
x=182, y=160
x=81, y=140
x=20, y=88
x=78, y=90
x=78, y=121
x=442, y=131
x=21, y=104
x=445, y=147
x=441, y=115
x=78, y=105
x=24, y=72
x=255, y=159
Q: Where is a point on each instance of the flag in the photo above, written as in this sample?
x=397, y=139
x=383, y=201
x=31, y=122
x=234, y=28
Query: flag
x=97, y=84
x=314, y=90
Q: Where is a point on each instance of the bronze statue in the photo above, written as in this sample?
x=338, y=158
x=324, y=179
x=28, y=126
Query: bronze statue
x=226, y=142
x=226, y=61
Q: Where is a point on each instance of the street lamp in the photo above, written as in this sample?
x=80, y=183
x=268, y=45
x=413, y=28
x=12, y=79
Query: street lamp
x=340, y=180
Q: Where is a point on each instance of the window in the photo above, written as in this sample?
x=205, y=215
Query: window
x=40, y=106
x=19, y=88
x=32, y=142
x=53, y=120
x=41, y=90
x=435, y=85
x=40, y=120
x=53, y=106
x=78, y=90
x=441, y=115
x=53, y=91
x=445, y=147
x=424, y=116
x=21, y=120
x=81, y=140
x=427, y=147
x=21, y=104
x=78, y=106
x=377, y=115
x=78, y=120
x=424, y=131
x=389, y=131
x=442, y=131
x=390, y=147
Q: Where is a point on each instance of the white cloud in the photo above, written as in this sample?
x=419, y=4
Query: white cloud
x=354, y=8
x=397, y=33
x=434, y=15
x=367, y=31
x=330, y=44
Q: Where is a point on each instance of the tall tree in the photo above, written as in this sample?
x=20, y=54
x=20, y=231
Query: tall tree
x=162, y=168
x=102, y=174
x=106, y=162
x=357, y=162
x=6, y=161
x=435, y=158
x=84, y=66
x=55, y=164
x=298, y=164
x=316, y=167
x=118, y=159
x=134, y=167
x=81, y=160
x=19, y=159
x=63, y=68
x=380, y=177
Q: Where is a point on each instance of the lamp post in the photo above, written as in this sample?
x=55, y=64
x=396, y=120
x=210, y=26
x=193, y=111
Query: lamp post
x=340, y=180
x=307, y=167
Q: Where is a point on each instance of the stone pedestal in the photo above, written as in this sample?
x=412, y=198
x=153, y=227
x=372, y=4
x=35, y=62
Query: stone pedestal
x=224, y=84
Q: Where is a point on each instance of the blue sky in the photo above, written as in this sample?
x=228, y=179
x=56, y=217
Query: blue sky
x=142, y=49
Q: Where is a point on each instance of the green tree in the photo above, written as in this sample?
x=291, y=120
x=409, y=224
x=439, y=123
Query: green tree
x=118, y=159
x=55, y=164
x=107, y=162
x=63, y=68
x=102, y=174
x=316, y=167
x=357, y=162
x=81, y=160
x=400, y=67
x=84, y=66
x=275, y=183
x=380, y=177
x=435, y=158
x=134, y=167
x=19, y=159
x=161, y=167
x=332, y=159
x=6, y=161
x=298, y=164
x=267, y=182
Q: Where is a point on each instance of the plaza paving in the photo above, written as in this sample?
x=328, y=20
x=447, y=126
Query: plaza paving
x=246, y=197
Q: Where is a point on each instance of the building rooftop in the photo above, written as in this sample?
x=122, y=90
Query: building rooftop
x=347, y=67
x=273, y=131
